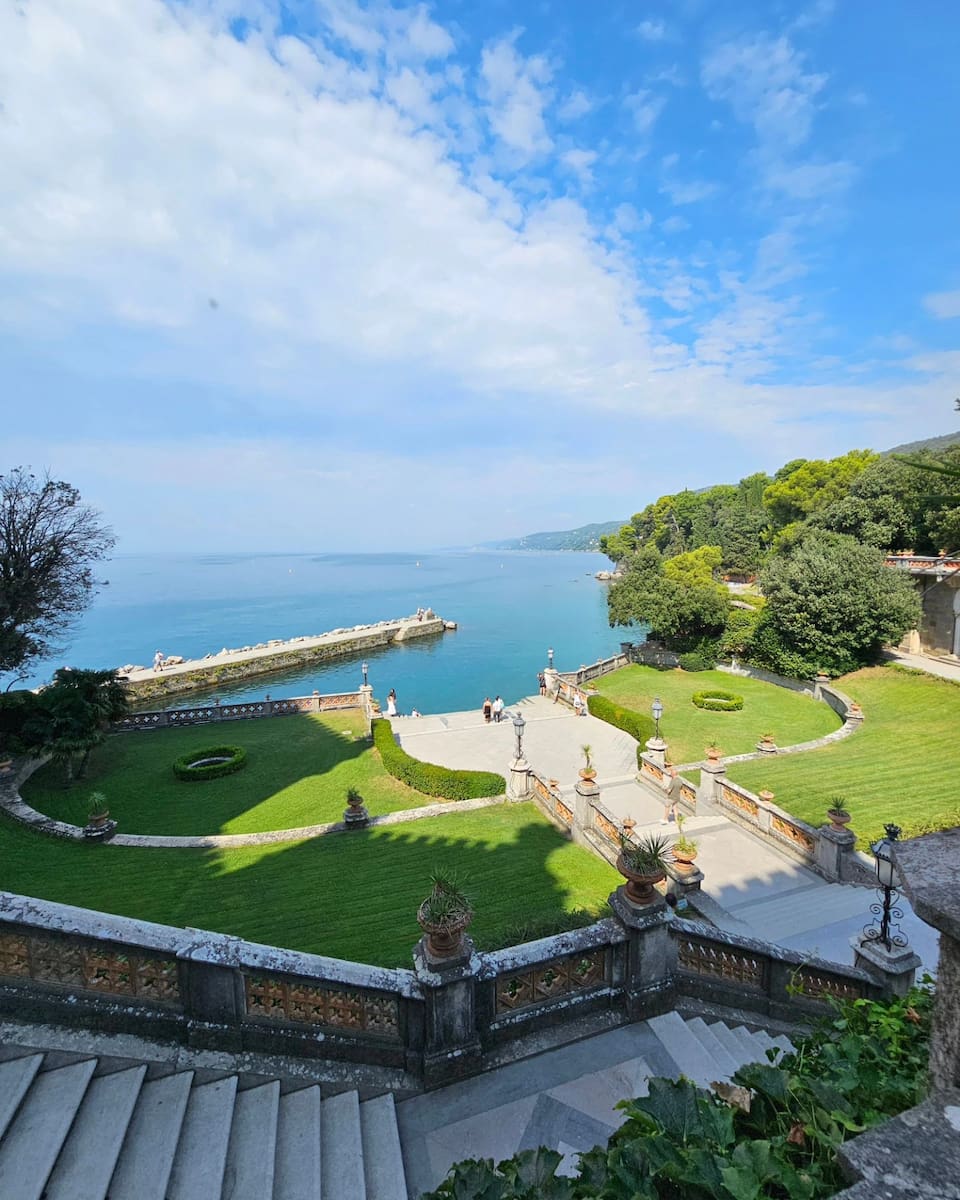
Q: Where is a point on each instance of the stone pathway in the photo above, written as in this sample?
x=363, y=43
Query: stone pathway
x=944, y=667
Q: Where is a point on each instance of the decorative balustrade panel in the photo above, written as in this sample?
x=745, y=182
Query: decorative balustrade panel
x=819, y=985
x=92, y=966
x=204, y=713
x=736, y=799
x=715, y=960
x=193, y=716
x=564, y=813
x=794, y=834
x=606, y=828
x=651, y=770
x=540, y=789
x=689, y=793
x=347, y=700
x=280, y=998
x=144, y=720
x=296, y=704
x=239, y=712
x=570, y=974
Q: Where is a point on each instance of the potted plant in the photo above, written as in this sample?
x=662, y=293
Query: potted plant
x=838, y=814
x=587, y=771
x=713, y=751
x=98, y=814
x=684, y=849
x=444, y=915
x=642, y=864
x=354, y=799
x=767, y=739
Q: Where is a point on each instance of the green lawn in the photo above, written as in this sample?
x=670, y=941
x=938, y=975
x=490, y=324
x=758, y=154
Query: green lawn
x=687, y=729
x=297, y=773
x=897, y=767
x=350, y=895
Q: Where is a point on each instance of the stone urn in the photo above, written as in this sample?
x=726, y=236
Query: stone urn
x=683, y=858
x=714, y=753
x=444, y=936
x=640, y=884
x=839, y=819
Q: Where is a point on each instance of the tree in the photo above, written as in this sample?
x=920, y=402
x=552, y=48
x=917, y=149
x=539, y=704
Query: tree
x=811, y=485
x=73, y=714
x=680, y=615
x=832, y=605
x=49, y=541
x=696, y=568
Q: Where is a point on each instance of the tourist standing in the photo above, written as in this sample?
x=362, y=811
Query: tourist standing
x=487, y=709
x=497, y=709
x=542, y=683
x=577, y=705
x=158, y=661
x=673, y=788
x=392, y=703
x=584, y=710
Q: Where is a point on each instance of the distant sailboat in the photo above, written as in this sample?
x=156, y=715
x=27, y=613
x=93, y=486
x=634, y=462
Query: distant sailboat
x=418, y=562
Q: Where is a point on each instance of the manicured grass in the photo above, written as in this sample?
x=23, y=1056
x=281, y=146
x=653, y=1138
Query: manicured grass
x=350, y=895
x=687, y=729
x=297, y=773
x=897, y=767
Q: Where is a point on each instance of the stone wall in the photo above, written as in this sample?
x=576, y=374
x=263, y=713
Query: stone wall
x=939, y=616
x=439, y=1021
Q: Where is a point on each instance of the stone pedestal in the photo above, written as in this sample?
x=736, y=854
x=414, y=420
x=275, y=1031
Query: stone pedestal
x=551, y=678
x=712, y=774
x=683, y=882
x=651, y=955
x=832, y=846
x=451, y=1044
x=656, y=748
x=585, y=793
x=767, y=747
x=518, y=785
x=895, y=969
x=356, y=817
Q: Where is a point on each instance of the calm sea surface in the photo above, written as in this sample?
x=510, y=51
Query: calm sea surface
x=509, y=608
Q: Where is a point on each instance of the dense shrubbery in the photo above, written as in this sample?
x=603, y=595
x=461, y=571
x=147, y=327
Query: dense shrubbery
x=718, y=701
x=704, y=658
x=776, y=1136
x=636, y=724
x=428, y=777
x=236, y=759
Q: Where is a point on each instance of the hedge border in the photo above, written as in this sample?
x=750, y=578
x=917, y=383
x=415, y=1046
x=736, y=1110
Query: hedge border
x=717, y=700
x=428, y=778
x=638, y=725
x=183, y=770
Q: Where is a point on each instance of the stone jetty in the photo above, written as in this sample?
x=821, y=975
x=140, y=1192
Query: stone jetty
x=181, y=676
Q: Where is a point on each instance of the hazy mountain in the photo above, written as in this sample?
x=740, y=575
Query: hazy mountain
x=587, y=537
x=934, y=443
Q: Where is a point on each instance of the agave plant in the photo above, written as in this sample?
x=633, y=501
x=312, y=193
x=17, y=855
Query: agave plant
x=648, y=855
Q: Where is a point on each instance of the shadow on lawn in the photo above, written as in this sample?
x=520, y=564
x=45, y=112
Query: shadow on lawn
x=355, y=895
x=135, y=771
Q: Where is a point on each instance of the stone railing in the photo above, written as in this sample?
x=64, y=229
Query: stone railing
x=549, y=800
x=603, y=666
x=206, y=714
x=652, y=772
x=763, y=816
x=437, y=1022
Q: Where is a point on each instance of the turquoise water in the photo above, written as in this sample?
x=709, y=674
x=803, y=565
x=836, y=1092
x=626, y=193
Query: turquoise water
x=509, y=608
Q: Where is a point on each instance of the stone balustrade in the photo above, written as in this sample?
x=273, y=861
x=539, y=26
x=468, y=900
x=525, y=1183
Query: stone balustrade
x=82, y=968
x=207, y=714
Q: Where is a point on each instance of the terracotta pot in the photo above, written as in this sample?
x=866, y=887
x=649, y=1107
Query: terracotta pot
x=588, y=773
x=683, y=859
x=839, y=821
x=714, y=755
x=98, y=821
x=639, y=889
x=443, y=941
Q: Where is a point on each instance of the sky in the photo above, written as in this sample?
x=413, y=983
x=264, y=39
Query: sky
x=329, y=275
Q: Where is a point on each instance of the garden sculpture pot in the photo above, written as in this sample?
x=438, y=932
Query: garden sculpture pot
x=444, y=940
x=639, y=889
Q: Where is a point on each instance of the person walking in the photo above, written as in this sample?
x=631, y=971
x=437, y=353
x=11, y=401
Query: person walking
x=158, y=661
x=497, y=709
x=487, y=709
x=577, y=705
x=673, y=790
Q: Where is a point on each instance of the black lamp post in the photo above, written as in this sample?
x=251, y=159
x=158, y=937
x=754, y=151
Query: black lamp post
x=550, y=657
x=518, y=727
x=888, y=931
x=364, y=669
x=657, y=709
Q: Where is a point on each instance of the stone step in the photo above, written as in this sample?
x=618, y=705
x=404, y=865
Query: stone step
x=148, y=1150
x=725, y=1062
x=85, y=1165
x=684, y=1048
x=786, y=916
x=35, y=1135
x=249, y=1171
x=297, y=1169
x=16, y=1075
x=728, y=1038
x=201, y=1156
x=341, y=1149
x=382, y=1157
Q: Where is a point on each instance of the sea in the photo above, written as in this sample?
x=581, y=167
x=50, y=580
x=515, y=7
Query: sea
x=510, y=608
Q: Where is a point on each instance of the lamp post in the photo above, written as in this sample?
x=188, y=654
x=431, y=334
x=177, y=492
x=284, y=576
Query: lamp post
x=518, y=726
x=550, y=657
x=657, y=709
x=888, y=931
x=364, y=668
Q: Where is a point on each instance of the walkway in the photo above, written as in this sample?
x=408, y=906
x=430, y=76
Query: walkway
x=750, y=887
x=943, y=667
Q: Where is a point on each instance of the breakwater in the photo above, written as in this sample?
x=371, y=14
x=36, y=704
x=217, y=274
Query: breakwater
x=181, y=677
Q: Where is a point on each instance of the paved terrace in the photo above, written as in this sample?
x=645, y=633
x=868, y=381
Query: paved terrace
x=751, y=887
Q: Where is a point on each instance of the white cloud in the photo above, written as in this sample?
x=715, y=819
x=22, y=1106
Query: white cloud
x=689, y=191
x=809, y=180
x=581, y=163
x=943, y=304
x=765, y=81
x=517, y=92
x=645, y=108
x=576, y=105
x=652, y=31
x=674, y=224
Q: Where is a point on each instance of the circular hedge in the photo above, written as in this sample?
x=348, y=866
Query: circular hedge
x=211, y=762
x=718, y=701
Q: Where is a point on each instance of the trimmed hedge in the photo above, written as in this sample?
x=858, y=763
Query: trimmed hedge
x=237, y=760
x=718, y=701
x=428, y=777
x=636, y=724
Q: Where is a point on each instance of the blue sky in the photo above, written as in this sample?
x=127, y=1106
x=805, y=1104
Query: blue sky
x=328, y=275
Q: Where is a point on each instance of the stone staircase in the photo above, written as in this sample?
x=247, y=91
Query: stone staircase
x=708, y=1053
x=75, y=1127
